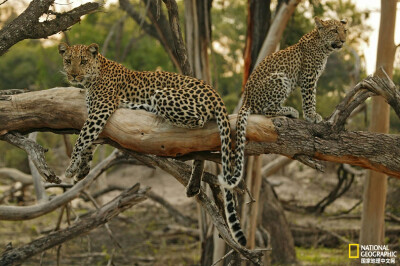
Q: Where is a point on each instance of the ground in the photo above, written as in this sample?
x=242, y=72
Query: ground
x=141, y=231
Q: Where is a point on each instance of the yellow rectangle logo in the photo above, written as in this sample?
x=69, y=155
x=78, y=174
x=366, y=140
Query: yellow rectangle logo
x=354, y=247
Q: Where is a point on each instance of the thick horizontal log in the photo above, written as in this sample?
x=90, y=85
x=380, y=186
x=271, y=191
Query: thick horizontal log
x=63, y=110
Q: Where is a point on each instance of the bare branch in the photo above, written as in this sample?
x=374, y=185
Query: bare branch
x=35, y=152
x=180, y=47
x=124, y=201
x=158, y=29
x=16, y=175
x=27, y=25
x=178, y=216
x=15, y=213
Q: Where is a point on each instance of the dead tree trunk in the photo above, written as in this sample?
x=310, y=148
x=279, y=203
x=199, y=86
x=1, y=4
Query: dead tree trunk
x=375, y=186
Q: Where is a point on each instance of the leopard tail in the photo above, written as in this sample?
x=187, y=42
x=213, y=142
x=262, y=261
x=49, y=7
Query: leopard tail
x=226, y=176
x=241, y=125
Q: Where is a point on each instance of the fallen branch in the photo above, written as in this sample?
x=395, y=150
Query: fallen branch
x=15, y=213
x=124, y=201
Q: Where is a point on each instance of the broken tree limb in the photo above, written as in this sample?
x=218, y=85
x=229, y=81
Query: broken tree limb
x=124, y=201
x=35, y=153
x=63, y=110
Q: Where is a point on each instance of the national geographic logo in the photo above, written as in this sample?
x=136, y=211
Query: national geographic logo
x=354, y=251
x=372, y=254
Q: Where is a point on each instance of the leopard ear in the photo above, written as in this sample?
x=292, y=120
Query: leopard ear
x=318, y=22
x=62, y=47
x=93, y=49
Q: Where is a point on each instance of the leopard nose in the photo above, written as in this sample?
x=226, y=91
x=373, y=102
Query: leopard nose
x=74, y=75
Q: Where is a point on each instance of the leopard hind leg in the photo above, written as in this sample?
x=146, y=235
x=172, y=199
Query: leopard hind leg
x=277, y=89
x=178, y=109
x=193, y=187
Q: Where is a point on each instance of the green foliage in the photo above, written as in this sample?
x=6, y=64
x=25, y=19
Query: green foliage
x=30, y=65
x=228, y=39
x=13, y=157
x=146, y=52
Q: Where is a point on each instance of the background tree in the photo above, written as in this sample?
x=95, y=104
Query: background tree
x=375, y=186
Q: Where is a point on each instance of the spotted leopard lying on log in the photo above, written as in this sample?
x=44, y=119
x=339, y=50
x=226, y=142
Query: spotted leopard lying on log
x=181, y=100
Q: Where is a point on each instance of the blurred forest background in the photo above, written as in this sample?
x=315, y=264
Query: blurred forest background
x=36, y=65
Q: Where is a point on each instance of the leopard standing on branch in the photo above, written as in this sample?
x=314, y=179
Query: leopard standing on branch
x=181, y=100
x=279, y=74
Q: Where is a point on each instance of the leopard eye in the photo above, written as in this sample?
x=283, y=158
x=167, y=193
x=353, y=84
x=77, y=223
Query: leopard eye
x=335, y=31
x=68, y=61
x=83, y=62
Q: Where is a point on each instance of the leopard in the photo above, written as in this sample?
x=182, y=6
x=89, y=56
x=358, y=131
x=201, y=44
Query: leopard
x=279, y=74
x=180, y=100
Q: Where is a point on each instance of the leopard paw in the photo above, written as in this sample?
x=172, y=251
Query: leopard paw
x=314, y=118
x=82, y=173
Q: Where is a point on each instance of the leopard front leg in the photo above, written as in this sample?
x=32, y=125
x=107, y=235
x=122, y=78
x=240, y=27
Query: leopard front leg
x=308, y=93
x=90, y=132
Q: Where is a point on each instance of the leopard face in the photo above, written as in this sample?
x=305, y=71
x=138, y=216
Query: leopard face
x=80, y=62
x=332, y=32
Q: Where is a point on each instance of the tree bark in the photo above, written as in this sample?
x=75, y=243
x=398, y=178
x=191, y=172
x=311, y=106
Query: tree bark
x=375, y=186
x=258, y=22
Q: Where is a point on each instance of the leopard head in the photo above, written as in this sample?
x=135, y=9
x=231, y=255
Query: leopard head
x=80, y=62
x=333, y=33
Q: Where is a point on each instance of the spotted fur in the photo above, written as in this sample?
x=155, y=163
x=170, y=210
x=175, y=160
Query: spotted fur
x=181, y=100
x=279, y=74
